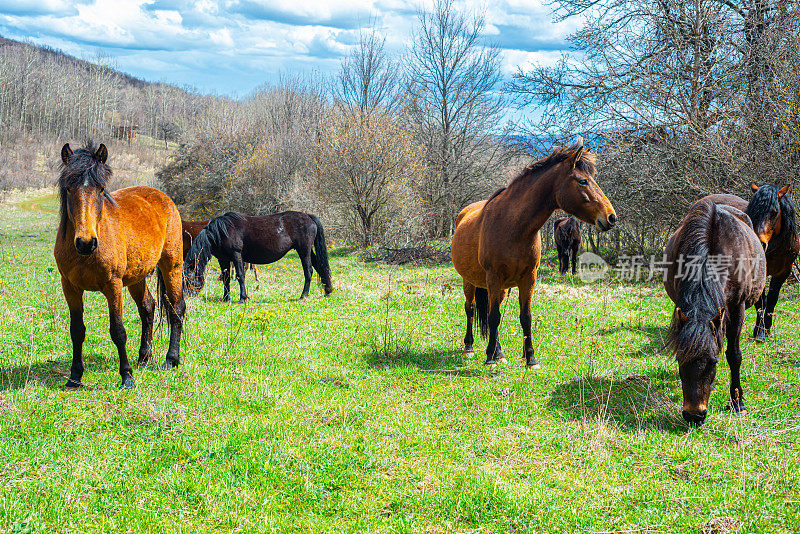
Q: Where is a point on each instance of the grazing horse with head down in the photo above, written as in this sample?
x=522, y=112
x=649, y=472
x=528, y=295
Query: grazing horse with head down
x=497, y=244
x=716, y=270
x=237, y=238
x=567, y=234
x=772, y=213
x=108, y=241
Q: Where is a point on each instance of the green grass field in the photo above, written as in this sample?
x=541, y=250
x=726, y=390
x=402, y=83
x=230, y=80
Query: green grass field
x=358, y=413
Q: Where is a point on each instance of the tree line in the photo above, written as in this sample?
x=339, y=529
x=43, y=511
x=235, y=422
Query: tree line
x=680, y=98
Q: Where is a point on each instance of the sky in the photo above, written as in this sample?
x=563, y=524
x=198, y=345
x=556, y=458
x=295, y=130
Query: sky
x=231, y=47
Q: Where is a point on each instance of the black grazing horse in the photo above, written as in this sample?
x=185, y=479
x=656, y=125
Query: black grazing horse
x=772, y=213
x=716, y=270
x=567, y=232
x=237, y=238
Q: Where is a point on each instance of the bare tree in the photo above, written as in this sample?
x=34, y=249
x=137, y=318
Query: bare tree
x=366, y=167
x=452, y=75
x=367, y=80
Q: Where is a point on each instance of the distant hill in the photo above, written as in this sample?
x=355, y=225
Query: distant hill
x=45, y=91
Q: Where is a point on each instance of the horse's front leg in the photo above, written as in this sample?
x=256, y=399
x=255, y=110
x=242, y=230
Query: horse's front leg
x=239, y=266
x=113, y=293
x=494, y=352
x=225, y=273
x=734, y=356
x=775, y=285
x=147, y=308
x=525, y=294
x=77, y=332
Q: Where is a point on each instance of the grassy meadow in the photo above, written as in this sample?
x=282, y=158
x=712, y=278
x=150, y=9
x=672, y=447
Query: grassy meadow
x=358, y=412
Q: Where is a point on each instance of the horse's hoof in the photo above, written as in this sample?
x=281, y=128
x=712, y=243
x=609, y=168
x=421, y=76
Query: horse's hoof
x=168, y=365
x=71, y=385
x=328, y=291
x=143, y=362
x=469, y=353
x=501, y=359
x=128, y=383
x=532, y=366
x=490, y=363
x=242, y=301
x=738, y=408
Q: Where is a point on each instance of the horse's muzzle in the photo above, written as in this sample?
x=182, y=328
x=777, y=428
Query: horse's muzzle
x=607, y=223
x=695, y=418
x=85, y=248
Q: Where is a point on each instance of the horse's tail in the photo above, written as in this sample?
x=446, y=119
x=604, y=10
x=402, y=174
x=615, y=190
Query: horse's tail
x=482, y=309
x=319, y=256
x=194, y=266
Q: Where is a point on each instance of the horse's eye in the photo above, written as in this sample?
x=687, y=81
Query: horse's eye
x=583, y=181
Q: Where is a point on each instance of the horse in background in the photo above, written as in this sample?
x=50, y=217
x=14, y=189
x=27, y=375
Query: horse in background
x=237, y=238
x=716, y=270
x=108, y=241
x=497, y=242
x=567, y=235
x=772, y=213
x=191, y=229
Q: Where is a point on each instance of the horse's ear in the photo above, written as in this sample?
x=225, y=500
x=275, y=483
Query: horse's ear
x=66, y=153
x=576, y=157
x=681, y=316
x=101, y=154
x=753, y=187
x=783, y=191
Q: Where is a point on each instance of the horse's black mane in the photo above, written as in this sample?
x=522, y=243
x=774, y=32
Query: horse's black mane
x=586, y=164
x=700, y=293
x=82, y=170
x=207, y=241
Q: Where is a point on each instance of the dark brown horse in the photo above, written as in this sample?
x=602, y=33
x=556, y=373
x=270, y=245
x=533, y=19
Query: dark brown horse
x=108, y=241
x=497, y=245
x=567, y=234
x=716, y=270
x=237, y=238
x=773, y=216
x=191, y=229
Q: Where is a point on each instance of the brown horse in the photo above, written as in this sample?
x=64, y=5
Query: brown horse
x=567, y=235
x=108, y=241
x=191, y=229
x=772, y=213
x=497, y=245
x=716, y=270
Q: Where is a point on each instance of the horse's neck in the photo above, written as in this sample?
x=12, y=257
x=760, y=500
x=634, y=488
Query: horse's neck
x=532, y=202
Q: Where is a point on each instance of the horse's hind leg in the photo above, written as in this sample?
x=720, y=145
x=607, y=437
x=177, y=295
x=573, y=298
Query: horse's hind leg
x=469, y=309
x=308, y=271
x=574, y=259
x=759, y=332
x=113, y=293
x=494, y=353
x=176, y=307
x=734, y=356
x=147, y=307
x=525, y=294
x=77, y=331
